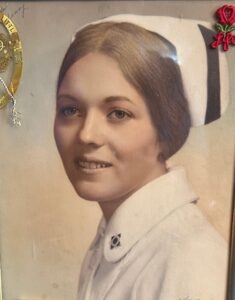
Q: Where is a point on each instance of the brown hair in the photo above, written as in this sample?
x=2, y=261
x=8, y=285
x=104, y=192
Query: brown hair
x=147, y=61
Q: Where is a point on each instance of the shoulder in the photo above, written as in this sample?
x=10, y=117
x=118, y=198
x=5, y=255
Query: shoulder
x=190, y=259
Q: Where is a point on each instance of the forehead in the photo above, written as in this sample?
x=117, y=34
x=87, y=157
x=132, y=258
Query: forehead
x=95, y=77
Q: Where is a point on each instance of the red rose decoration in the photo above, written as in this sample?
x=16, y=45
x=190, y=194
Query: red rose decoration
x=224, y=39
x=218, y=40
x=226, y=14
x=224, y=36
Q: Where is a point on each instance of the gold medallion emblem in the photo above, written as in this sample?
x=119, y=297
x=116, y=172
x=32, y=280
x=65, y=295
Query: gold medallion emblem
x=10, y=52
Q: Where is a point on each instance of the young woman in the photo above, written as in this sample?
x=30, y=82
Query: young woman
x=121, y=113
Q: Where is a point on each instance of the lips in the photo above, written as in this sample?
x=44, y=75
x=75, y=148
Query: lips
x=91, y=164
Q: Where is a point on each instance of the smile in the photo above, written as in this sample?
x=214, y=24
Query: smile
x=92, y=164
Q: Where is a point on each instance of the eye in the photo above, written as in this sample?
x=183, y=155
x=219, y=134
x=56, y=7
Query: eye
x=119, y=114
x=69, y=111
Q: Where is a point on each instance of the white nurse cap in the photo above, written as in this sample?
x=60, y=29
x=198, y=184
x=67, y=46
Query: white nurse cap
x=204, y=70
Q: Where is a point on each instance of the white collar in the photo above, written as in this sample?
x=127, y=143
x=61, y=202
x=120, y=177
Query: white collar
x=143, y=210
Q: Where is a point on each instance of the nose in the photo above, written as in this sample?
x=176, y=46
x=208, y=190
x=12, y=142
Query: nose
x=91, y=130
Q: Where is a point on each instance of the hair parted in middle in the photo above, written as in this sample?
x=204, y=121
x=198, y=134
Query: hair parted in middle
x=147, y=61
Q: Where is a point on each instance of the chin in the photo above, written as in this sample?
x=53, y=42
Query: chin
x=93, y=193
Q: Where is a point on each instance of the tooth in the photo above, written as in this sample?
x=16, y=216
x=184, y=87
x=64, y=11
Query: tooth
x=92, y=165
x=81, y=164
x=85, y=164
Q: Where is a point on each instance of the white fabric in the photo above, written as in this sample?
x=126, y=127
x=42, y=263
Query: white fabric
x=185, y=35
x=168, y=250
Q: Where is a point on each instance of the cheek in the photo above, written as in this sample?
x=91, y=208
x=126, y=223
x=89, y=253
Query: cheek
x=58, y=135
x=63, y=138
x=140, y=144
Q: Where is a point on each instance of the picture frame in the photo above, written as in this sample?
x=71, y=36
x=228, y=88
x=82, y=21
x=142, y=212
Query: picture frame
x=42, y=234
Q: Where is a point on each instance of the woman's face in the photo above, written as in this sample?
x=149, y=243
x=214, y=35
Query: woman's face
x=103, y=131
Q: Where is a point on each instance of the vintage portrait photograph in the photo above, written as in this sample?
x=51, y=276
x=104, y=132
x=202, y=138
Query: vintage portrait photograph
x=117, y=128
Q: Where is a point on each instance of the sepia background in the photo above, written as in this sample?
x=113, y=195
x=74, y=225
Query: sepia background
x=45, y=228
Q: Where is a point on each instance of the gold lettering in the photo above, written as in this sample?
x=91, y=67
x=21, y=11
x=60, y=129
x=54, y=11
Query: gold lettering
x=9, y=25
x=6, y=22
x=11, y=28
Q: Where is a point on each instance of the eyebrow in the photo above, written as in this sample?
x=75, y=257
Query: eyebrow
x=65, y=96
x=117, y=98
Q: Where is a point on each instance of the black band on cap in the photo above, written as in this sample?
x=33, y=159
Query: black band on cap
x=213, y=77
